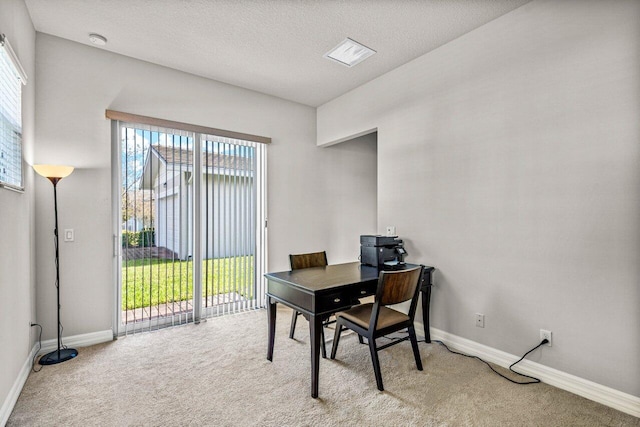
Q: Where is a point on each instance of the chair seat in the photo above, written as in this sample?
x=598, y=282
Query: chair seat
x=361, y=315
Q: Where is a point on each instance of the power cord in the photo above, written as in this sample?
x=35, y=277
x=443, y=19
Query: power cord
x=535, y=380
x=61, y=330
x=35, y=356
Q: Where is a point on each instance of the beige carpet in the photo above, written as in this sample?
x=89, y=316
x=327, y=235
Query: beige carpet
x=216, y=374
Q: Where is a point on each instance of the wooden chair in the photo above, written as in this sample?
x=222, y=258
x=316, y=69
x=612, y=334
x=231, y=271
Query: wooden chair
x=374, y=320
x=309, y=260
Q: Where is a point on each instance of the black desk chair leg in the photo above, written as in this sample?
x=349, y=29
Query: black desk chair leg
x=414, y=345
x=336, y=340
x=294, y=318
x=376, y=363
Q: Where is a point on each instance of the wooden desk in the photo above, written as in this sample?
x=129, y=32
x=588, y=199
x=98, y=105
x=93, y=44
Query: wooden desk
x=320, y=291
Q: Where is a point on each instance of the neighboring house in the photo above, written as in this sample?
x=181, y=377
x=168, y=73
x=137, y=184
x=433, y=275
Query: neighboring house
x=227, y=201
x=133, y=224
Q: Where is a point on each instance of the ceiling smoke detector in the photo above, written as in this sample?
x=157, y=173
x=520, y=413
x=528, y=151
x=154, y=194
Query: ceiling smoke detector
x=349, y=53
x=97, y=39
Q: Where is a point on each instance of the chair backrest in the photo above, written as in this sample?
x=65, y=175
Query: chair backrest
x=395, y=287
x=313, y=259
x=398, y=286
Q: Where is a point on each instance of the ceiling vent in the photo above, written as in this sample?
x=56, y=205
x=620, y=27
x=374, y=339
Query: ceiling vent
x=349, y=53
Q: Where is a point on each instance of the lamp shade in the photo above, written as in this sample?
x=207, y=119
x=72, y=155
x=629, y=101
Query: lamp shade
x=53, y=171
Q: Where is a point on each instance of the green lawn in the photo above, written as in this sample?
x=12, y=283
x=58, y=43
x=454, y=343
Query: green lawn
x=157, y=281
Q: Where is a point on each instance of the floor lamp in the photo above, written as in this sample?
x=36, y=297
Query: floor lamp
x=55, y=174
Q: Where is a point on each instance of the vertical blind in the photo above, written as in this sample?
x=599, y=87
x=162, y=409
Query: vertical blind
x=12, y=77
x=232, y=224
x=193, y=225
x=156, y=213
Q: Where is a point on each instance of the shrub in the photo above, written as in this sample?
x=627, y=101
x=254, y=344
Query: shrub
x=147, y=237
x=138, y=239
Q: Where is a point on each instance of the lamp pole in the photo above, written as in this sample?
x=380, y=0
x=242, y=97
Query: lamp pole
x=54, y=181
x=55, y=174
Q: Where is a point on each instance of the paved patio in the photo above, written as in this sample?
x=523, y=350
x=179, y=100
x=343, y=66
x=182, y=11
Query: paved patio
x=178, y=307
x=149, y=252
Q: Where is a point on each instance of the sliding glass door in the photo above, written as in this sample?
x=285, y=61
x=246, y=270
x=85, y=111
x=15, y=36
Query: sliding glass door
x=191, y=236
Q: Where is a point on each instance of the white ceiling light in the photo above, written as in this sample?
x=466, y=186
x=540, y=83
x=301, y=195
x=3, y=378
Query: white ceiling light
x=349, y=53
x=97, y=39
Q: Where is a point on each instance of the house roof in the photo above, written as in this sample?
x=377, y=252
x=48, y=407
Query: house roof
x=172, y=155
x=213, y=163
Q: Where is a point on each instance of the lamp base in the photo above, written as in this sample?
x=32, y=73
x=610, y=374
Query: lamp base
x=58, y=356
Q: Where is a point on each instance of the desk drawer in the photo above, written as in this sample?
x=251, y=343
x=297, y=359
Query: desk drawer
x=337, y=301
x=333, y=302
x=363, y=291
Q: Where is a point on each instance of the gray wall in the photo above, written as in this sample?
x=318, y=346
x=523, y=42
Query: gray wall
x=509, y=159
x=310, y=188
x=17, y=277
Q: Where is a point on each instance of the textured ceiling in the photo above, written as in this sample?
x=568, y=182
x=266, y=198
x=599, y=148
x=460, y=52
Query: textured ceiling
x=271, y=46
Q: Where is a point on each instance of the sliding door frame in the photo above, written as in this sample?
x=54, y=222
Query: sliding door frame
x=116, y=238
x=118, y=121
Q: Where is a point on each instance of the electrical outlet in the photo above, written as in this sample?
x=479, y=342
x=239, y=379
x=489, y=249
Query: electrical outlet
x=545, y=335
x=391, y=230
x=479, y=320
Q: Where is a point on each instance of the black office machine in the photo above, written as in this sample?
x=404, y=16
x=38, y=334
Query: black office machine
x=382, y=251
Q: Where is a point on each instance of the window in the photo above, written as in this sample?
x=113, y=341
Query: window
x=12, y=77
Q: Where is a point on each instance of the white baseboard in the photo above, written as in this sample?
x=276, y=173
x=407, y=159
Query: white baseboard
x=82, y=340
x=14, y=393
x=599, y=393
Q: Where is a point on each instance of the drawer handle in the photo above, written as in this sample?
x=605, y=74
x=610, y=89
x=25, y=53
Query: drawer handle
x=336, y=300
x=363, y=292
